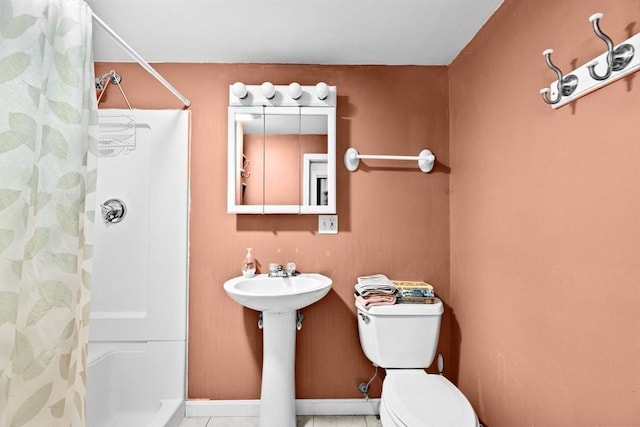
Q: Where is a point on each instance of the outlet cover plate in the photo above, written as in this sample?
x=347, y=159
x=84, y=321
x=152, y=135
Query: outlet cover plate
x=327, y=224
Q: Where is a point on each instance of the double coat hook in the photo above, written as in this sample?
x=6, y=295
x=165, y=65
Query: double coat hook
x=585, y=79
x=617, y=58
x=566, y=85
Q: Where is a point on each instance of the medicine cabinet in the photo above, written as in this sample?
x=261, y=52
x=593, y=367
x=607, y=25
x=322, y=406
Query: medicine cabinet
x=281, y=153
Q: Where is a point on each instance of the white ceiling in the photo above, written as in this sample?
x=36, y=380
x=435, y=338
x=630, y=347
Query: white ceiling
x=389, y=32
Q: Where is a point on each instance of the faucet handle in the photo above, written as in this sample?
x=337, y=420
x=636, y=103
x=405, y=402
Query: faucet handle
x=291, y=268
x=273, y=267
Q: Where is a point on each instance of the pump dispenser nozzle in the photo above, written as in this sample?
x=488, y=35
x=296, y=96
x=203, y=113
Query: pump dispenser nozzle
x=249, y=264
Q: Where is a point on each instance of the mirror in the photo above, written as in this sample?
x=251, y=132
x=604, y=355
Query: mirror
x=281, y=160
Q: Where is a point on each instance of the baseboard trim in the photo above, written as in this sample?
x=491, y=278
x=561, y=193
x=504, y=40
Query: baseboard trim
x=251, y=408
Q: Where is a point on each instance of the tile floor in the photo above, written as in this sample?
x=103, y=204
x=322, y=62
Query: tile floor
x=302, y=421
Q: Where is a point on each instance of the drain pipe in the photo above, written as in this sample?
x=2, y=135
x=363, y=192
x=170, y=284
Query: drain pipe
x=299, y=319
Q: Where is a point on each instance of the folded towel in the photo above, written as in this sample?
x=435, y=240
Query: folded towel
x=414, y=289
x=369, y=290
x=374, y=279
x=416, y=293
x=375, y=284
x=415, y=300
x=372, y=300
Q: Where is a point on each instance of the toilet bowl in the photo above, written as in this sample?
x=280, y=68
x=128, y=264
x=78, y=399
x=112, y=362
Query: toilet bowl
x=402, y=339
x=411, y=397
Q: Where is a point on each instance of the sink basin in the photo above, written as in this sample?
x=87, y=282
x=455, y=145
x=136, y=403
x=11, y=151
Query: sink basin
x=278, y=294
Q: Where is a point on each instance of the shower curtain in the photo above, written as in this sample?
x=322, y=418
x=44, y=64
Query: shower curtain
x=48, y=121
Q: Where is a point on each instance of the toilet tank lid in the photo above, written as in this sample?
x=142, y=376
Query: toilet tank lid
x=434, y=309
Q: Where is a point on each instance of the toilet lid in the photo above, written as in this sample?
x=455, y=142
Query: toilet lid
x=418, y=399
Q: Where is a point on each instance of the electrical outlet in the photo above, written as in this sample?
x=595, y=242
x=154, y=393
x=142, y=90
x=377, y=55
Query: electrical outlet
x=328, y=224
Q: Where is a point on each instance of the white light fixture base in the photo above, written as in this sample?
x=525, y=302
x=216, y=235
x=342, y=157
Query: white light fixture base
x=270, y=95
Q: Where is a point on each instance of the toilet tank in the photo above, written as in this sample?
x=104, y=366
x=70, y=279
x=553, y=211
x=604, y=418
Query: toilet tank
x=400, y=335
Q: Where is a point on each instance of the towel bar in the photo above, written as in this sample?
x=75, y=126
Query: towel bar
x=426, y=159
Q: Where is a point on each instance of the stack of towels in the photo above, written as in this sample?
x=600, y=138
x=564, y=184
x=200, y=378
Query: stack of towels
x=373, y=290
x=377, y=289
x=409, y=292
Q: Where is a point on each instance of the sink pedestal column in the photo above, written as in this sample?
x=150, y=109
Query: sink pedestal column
x=277, y=398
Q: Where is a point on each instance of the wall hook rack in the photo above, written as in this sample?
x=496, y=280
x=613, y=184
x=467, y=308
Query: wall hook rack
x=614, y=64
x=426, y=159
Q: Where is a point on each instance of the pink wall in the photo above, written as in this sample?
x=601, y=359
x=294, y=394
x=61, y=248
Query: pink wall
x=393, y=218
x=275, y=167
x=545, y=223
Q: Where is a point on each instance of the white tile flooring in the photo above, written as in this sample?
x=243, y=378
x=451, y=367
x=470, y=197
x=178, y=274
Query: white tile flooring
x=302, y=421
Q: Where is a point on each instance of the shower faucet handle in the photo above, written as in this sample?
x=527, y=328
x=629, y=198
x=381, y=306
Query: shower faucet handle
x=113, y=211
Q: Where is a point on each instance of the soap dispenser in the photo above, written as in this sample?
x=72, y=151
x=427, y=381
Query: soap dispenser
x=249, y=264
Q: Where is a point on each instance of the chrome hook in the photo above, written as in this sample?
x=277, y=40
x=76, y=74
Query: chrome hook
x=566, y=85
x=113, y=77
x=617, y=58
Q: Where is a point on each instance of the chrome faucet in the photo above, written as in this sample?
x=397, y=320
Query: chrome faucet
x=278, y=270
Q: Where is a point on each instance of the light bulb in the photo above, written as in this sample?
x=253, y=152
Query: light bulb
x=295, y=90
x=239, y=89
x=268, y=90
x=322, y=90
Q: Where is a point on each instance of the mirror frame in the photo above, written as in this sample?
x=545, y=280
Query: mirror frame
x=235, y=151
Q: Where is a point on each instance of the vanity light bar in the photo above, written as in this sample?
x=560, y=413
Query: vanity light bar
x=292, y=95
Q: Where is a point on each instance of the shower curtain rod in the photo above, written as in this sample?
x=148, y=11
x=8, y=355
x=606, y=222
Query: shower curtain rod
x=140, y=60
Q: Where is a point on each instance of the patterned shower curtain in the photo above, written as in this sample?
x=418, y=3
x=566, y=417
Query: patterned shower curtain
x=48, y=121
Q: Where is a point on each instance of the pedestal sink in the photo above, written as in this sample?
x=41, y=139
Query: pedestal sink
x=279, y=299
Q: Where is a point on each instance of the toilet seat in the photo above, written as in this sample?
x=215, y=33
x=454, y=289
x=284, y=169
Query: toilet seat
x=413, y=398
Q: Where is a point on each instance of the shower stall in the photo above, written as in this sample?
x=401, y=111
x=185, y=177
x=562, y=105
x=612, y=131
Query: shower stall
x=138, y=327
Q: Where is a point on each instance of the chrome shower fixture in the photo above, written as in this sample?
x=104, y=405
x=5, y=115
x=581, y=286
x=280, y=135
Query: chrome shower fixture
x=113, y=211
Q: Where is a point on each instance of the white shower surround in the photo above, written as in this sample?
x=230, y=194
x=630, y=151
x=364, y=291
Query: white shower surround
x=138, y=329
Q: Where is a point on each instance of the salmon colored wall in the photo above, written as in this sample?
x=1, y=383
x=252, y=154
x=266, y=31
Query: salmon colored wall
x=545, y=222
x=282, y=157
x=393, y=218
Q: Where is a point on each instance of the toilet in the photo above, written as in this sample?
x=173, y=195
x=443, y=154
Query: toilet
x=402, y=339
